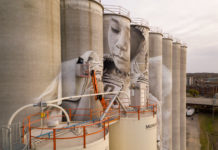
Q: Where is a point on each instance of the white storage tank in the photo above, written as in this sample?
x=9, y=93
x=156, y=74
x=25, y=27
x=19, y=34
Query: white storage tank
x=129, y=133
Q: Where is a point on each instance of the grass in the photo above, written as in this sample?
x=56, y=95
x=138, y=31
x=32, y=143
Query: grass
x=208, y=131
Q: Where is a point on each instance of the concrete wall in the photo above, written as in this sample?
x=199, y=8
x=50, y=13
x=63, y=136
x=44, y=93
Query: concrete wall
x=183, y=98
x=155, y=74
x=132, y=134
x=176, y=96
x=30, y=55
x=81, y=36
x=167, y=94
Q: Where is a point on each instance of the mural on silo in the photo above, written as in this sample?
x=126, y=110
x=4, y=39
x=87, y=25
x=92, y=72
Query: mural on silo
x=139, y=58
x=116, y=54
x=74, y=84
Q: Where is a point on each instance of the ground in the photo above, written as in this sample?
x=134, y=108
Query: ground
x=193, y=133
x=208, y=131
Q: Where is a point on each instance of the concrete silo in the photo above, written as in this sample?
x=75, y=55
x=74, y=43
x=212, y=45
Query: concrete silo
x=116, y=77
x=82, y=51
x=116, y=51
x=139, y=55
x=176, y=96
x=155, y=73
x=30, y=55
x=183, y=97
x=167, y=93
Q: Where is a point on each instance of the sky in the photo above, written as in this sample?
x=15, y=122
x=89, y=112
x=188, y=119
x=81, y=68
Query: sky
x=193, y=21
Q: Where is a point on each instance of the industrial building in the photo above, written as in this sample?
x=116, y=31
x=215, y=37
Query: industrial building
x=76, y=74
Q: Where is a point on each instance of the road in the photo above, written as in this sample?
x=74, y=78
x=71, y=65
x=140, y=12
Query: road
x=193, y=133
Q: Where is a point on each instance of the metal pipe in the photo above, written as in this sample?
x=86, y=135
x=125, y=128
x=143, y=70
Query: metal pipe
x=108, y=107
x=64, y=111
x=118, y=99
x=87, y=95
x=32, y=105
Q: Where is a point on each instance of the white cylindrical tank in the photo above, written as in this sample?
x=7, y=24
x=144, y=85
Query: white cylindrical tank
x=82, y=36
x=116, y=52
x=30, y=54
x=155, y=74
x=176, y=96
x=129, y=133
x=183, y=97
x=167, y=93
x=139, y=55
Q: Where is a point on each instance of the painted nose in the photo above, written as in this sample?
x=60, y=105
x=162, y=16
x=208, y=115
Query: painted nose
x=122, y=43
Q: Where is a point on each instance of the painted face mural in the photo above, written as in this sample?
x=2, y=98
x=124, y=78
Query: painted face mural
x=139, y=69
x=139, y=54
x=116, y=53
x=118, y=42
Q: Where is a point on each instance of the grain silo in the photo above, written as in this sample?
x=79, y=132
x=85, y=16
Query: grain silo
x=183, y=97
x=155, y=72
x=167, y=93
x=117, y=78
x=139, y=55
x=30, y=55
x=116, y=50
x=176, y=96
x=82, y=51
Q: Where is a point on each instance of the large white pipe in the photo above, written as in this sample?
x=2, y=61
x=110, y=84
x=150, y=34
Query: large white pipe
x=87, y=95
x=32, y=105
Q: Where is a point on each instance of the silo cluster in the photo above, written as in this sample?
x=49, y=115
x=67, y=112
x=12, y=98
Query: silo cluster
x=56, y=46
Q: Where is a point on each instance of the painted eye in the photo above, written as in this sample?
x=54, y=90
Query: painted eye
x=115, y=30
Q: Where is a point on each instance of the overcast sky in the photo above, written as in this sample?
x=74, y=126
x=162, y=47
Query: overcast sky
x=192, y=21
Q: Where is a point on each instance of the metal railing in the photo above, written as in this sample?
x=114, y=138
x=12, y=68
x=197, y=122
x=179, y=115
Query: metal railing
x=15, y=141
x=54, y=134
x=167, y=35
x=140, y=21
x=98, y=1
x=36, y=122
x=113, y=9
x=176, y=40
x=156, y=29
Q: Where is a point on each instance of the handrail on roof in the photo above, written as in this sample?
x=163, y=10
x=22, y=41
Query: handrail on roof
x=156, y=29
x=140, y=21
x=108, y=9
x=167, y=35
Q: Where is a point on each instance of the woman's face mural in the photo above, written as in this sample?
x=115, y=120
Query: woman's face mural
x=119, y=43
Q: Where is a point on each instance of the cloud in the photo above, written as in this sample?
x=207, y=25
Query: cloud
x=192, y=21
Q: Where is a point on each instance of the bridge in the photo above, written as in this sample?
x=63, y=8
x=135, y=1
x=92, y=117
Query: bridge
x=202, y=101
